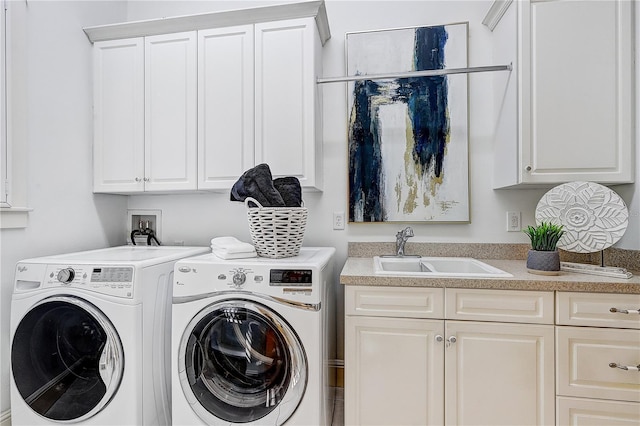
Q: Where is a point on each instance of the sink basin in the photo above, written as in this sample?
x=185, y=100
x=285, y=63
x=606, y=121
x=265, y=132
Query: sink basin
x=435, y=267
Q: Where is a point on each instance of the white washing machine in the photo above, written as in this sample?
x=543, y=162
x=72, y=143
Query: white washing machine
x=90, y=337
x=250, y=340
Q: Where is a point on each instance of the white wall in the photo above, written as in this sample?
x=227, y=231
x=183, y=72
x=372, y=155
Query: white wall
x=68, y=217
x=195, y=219
x=57, y=111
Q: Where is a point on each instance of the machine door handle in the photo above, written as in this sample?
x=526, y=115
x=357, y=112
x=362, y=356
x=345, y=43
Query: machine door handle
x=106, y=367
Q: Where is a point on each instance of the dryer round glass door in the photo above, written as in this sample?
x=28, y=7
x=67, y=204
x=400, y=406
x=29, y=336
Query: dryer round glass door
x=66, y=358
x=240, y=362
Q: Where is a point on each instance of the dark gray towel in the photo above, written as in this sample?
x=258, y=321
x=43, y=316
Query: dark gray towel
x=289, y=188
x=257, y=183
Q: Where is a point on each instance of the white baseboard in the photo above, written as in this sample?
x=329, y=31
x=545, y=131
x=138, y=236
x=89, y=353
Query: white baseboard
x=5, y=418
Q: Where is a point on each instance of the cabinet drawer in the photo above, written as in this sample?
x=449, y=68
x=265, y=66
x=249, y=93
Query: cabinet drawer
x=534, y=307
x=589, y=412
x=401, y=302
x=584, y=355
x=595, y=309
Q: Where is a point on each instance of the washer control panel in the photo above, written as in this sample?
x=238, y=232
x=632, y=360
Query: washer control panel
x=112, y=280
x=276, y=281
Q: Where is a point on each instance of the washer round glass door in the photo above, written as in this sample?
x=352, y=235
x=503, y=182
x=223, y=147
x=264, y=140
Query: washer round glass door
x=240, y=362
x=67, y=359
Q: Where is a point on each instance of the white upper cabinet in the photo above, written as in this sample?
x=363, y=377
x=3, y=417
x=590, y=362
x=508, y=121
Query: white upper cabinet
x=288, y=122
x=225, y=105
x=170, y=112
x=118, y=149
x=191, y=102
x=145, y=92
x=258, y=102
x=565, y=112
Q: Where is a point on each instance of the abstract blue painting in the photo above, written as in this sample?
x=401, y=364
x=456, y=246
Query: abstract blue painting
x=408, y=137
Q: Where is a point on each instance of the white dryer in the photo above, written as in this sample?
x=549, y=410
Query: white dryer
x=250, y=340
x=90, y=337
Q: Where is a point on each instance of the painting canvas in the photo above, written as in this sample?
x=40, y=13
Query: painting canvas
x=408, y=136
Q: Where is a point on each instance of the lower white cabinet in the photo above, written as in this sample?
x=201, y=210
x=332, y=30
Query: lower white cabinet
x=406, y=363
x=498, y=374
x=598, y=357
x=593, y=412
x=393, y=371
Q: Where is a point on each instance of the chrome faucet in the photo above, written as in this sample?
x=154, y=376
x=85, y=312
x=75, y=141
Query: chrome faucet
x=401, y=240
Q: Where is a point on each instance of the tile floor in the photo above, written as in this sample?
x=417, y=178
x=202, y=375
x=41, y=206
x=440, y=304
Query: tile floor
x=338, y=408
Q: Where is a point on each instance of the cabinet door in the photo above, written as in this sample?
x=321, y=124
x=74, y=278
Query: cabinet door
x=225, y=105
x=577, y=91
x=170, y=112
x=287, y=56
x=393, y=371
x=594, y=412
x=118, y=151
x=598, y=310
x=499, y=374
x=587, y=359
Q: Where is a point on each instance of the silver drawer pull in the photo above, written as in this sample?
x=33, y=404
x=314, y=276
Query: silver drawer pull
x=625, y=311
x=625, y=367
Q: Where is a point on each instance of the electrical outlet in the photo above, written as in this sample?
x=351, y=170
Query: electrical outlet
x=338, y=220
x=514, y=222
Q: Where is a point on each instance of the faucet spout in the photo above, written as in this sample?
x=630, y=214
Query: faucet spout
x=401, y=239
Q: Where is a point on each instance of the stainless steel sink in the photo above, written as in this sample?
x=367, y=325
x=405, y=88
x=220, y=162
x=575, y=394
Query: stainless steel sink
x=435, y=267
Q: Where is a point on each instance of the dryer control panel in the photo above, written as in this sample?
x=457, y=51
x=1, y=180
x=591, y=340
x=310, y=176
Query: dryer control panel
x=111, y=280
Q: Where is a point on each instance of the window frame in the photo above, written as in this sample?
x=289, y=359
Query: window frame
x=14, y=211
x=5, y=148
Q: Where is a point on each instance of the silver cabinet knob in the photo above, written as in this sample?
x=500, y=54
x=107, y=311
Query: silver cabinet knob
x=452, y=339
x=528, y=168
x=439, y=338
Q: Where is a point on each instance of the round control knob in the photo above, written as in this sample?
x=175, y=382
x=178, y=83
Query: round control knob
x=66, y=275
x=239, y=277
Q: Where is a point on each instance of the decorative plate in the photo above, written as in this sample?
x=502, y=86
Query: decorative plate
x=594, y=217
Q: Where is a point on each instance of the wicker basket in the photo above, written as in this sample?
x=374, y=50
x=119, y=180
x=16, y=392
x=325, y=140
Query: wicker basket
x=276, y=232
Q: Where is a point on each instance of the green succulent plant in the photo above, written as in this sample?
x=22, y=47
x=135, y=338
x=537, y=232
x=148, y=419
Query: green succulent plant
x=545, y=236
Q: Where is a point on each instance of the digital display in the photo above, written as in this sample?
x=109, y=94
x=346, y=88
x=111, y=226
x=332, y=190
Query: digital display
x=299, y=277
x=112, y=275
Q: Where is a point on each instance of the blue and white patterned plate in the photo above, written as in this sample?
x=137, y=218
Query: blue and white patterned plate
x=594, y=217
